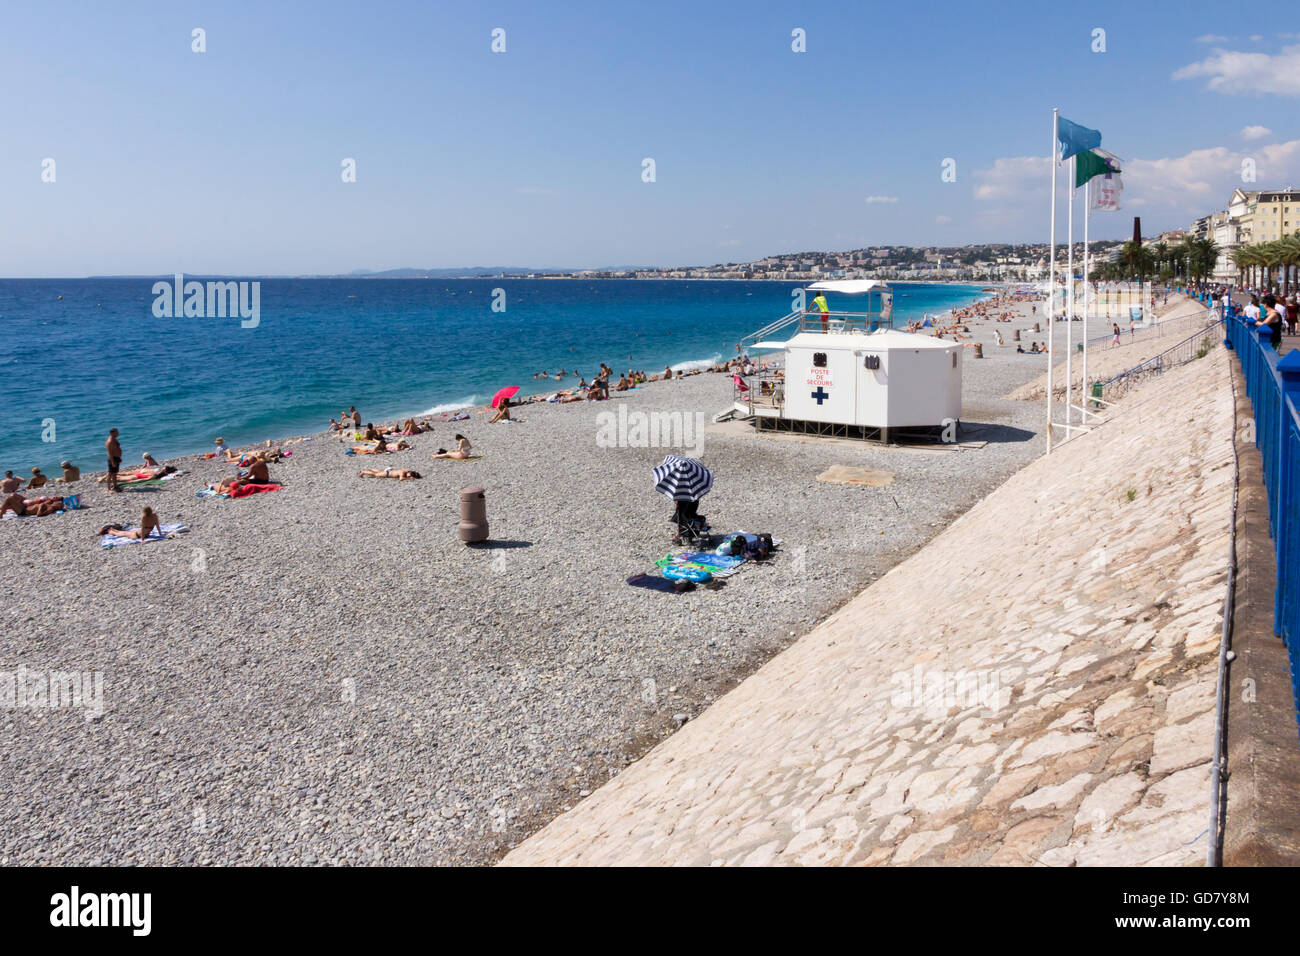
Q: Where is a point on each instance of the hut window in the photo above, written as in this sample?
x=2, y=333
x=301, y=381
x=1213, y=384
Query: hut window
x=819, y=360
x=872, y=361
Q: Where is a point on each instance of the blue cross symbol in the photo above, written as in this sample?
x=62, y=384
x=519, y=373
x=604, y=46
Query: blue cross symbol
x=821, y=395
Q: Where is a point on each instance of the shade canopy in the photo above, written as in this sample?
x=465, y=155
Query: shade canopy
x=508, y=392
x=682, y=479
x=849, y=286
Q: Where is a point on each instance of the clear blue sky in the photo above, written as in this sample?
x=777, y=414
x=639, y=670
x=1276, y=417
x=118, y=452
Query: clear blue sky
x=229, y=161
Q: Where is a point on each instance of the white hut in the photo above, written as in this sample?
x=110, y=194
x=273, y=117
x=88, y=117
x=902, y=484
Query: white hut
x=850, y=374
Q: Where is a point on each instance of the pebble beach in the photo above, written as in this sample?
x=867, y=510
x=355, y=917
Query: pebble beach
x=327, y=675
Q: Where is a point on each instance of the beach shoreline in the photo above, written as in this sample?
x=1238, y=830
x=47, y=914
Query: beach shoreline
x=182, y=426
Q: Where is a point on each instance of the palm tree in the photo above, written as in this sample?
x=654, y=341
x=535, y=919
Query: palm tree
x=1204, y=256
x=1270, y=255
x=1160, y=253
x=1135, y=259
x=1289, y=253
x=1241, y=258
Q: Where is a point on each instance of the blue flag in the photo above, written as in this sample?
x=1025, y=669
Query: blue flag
x=1075, y=138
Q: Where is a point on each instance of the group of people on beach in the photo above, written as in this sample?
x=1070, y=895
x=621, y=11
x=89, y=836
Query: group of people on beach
x=253, y=467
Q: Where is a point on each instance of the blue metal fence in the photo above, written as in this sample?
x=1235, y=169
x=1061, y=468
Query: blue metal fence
x=1273, y=385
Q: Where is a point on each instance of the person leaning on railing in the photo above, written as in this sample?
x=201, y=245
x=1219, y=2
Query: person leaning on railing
x=1272, y=320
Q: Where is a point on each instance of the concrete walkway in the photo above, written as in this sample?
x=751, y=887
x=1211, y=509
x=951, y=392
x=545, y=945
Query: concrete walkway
x=1036, y=686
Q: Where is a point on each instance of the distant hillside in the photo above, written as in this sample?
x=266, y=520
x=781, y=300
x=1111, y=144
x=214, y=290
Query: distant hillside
x=445, y=273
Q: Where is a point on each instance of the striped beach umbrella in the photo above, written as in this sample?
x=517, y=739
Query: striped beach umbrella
x=682, y=479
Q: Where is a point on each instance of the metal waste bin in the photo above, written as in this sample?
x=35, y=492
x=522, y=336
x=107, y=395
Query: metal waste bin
x=473, y=515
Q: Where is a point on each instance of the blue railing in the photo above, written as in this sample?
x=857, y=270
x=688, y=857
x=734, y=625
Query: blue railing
x=1273, y=385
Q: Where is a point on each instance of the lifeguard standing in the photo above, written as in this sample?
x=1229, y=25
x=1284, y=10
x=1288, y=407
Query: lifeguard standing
x=821, y=304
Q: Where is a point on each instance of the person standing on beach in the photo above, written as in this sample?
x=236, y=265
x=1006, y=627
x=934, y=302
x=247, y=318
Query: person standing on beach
x=114, y=451
x=1115, y=326
x=356, y=417
x=824, y=308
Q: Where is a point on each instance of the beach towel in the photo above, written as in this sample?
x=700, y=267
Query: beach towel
x=243, y=491
x=111, y=541
x=682, y=562
x=711, y=559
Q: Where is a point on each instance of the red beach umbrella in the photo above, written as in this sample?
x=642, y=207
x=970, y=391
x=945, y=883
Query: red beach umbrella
x=507, y=392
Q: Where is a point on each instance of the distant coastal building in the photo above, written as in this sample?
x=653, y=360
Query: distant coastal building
x=1274, y=214
x=1253, y=216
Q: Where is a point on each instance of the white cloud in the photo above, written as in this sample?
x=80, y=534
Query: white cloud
x=941, y=220
x=1014, y=177
x=1255, y=132
x=1205, y=178
x=1256, y=37
x=1194, y=183
x=1211, y=38
x=877, y=199
x=1231, y=71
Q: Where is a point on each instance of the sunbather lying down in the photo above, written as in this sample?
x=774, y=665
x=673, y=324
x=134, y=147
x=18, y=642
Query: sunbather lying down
x=381, y=447
x=401, y=474
x=148, y=474
x=148, y=526
x=30, y=507
x=231, y=484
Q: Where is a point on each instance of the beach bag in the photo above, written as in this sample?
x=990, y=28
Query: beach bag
x=71, y=502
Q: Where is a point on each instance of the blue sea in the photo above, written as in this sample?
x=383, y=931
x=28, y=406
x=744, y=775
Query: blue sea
x=78, y=356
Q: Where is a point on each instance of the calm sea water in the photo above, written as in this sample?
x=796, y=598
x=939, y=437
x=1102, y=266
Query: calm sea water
x=72, y=367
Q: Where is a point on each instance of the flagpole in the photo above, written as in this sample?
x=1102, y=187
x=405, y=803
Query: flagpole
x=1051, y=279
x=1087, y=215
x=1069, y=297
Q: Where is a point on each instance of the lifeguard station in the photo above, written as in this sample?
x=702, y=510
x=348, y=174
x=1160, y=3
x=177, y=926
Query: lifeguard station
x=850, y=374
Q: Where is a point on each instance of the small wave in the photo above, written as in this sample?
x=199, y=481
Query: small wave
x=696, y=363
x=452, y=406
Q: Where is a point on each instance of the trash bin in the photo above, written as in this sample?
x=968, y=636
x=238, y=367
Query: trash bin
x=473, y=515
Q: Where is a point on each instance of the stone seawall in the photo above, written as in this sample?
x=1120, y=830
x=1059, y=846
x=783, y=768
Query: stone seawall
x=1037, y=686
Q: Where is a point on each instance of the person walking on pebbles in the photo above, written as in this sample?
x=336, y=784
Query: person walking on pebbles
x=114, y=451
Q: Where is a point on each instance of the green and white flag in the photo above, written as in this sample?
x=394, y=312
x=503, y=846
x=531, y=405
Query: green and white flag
x=1101, y=170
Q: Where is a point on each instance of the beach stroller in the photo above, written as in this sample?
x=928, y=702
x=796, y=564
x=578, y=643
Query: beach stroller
x=685, y=481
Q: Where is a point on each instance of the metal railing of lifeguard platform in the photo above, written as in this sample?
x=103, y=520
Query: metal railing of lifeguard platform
x=811, y=321
x=1273, y=386
x=843, y=321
